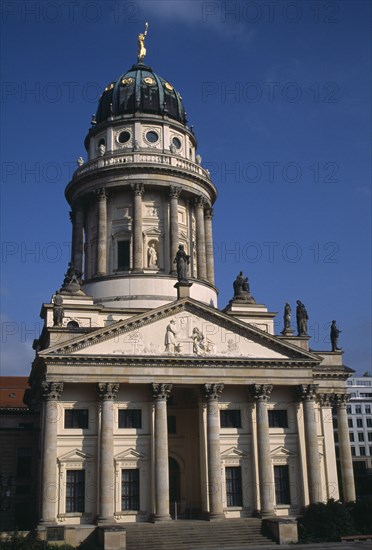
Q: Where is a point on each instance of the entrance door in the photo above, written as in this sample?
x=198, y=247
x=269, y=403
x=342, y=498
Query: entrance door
x=174, y=488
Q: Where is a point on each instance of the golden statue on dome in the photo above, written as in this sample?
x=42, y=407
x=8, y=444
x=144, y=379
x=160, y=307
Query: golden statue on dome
x=141, y=45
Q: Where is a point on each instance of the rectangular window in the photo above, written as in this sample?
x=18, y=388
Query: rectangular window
x=123, y=255
x=368, y=409
x=230, y=418
x=370, y=451
x=350, y=422
x=278, y=419
x=351, y=437
x=130, y=489
x=130, y=418
x=369, y=436
x=359, y=422
x=352, y=451
x=358, y=409
x=348, y=410
x=361, y=436
x=234, y=486
x=281, y=475
x=24, y=462
x=171, y=424
x=369, y=422
x=75, y=491
x=362, y=451
x=76, y=418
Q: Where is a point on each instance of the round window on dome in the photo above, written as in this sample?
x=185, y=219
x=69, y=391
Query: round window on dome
x=152, y=137
x=177, y=143
x=124, y=137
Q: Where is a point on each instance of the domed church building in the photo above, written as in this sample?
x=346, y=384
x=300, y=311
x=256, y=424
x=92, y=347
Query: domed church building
x=155, y=403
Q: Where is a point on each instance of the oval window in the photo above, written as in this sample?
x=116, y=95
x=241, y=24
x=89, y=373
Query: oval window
x=124, y=137
x=152, y=137
x=177, y=143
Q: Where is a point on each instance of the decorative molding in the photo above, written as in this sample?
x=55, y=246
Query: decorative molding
x=326, y=399
x=138, y=189
x=51, y=391
x=341, y=400
x=208, y=213
x=307, y=392
x=161, y=391
x=212, y=392
x=175, y=191
x=261, y=392
x=200, y=202
x=102, y=194
x=107, y=391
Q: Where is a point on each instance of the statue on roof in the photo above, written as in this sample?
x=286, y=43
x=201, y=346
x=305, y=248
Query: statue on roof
x=182, y=261
x=141, y=45
x=242, y=291
x=335, y=333
x=301, y=318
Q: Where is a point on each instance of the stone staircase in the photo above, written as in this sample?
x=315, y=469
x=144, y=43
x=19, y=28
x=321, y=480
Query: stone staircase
x=197, y=535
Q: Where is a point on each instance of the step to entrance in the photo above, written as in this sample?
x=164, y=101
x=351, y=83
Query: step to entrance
x=197, y=535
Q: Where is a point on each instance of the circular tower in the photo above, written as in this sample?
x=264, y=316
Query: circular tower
x=141, y=193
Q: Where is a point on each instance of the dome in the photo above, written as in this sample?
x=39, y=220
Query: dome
x=140, y=90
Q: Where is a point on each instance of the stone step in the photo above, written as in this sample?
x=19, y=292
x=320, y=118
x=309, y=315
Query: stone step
x=196, y=535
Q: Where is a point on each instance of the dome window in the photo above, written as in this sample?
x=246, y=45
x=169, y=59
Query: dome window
x=124, y=137
x=101, y=142
x=177, y=143
x=152, y=137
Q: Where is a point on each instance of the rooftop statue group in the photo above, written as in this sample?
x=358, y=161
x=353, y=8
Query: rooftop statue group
x=302, y=319
x=242, y=290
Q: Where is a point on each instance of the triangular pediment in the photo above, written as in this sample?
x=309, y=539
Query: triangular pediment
x=282, y=452
x=185, y=328
x=129, y=454
x=75, y=455
x=233, y=452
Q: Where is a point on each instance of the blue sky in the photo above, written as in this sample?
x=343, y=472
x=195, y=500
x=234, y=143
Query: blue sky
x=279, y=95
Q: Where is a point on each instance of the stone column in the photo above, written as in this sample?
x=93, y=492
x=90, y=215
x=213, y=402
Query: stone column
x=208, y=215
x=77, y=219
x=260, y=393
x=308, y=395
x=200, y=237
x=107, y=393
x=161, y=393
x=212, y=392
x=174, y=193
x=101, y=269
x=50, y=393
x=346, y=461
x=138, y=191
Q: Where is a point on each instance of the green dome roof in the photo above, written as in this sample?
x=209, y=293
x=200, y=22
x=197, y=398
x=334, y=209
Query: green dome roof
x=140, y=90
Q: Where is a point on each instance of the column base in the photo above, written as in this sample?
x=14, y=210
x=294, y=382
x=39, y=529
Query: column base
x=266, y=514
x=161, y=517
x=211, y=516
x=104, y=522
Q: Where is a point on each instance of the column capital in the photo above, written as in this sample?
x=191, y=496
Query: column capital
x=107, y=391
x=175, y=191
x=161, y=391
x=138, y=189
x=200, y=201
x=326, y=399
x=51, y=391
x=261, y=392
x=102, y=194
x=212, y=391
x=307, y=392
x=208, y=213
x=341, y=400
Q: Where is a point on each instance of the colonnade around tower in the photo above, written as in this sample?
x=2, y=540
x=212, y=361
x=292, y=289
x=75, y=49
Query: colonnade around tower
x=308, y=400
x=98, y=259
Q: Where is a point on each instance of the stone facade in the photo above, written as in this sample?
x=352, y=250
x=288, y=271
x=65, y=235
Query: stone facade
x=154, y=402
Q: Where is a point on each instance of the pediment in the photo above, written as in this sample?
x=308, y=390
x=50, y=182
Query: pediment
x=75, y=456
x=282, y=452
x=185, y=328
x=233, y=452
x=130, y=454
